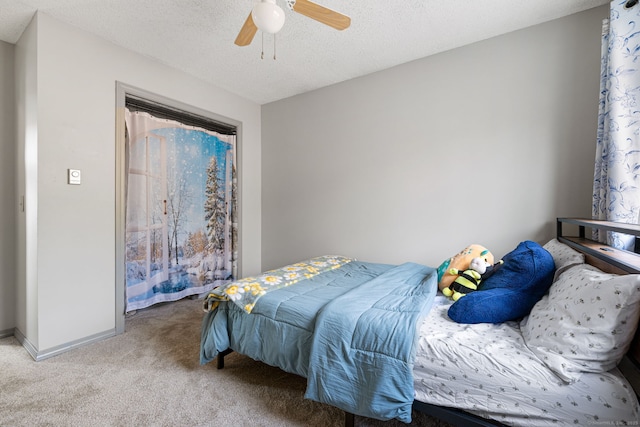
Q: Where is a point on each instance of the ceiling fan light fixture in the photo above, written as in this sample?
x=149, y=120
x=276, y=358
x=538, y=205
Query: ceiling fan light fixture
x=268, y=16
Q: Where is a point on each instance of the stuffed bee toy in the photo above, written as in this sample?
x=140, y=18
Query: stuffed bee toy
x=461, y=262
x=469, y=279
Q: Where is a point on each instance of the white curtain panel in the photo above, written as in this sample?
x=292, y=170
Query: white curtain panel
x=616, y=186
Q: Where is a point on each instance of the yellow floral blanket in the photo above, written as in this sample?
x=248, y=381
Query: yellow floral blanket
x=245, y=292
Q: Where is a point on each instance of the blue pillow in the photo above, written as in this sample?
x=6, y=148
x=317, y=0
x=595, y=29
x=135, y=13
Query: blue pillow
x=512, y=291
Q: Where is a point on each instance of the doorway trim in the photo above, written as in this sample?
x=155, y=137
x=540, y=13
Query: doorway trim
x=122, y=91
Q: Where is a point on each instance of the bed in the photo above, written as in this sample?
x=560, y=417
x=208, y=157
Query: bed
x=378, y=340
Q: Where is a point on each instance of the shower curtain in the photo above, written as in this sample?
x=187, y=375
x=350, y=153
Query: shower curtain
x=180, y=210
x=616, y=187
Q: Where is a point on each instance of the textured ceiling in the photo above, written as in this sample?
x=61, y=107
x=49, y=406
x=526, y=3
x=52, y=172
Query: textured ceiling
x=197, y=36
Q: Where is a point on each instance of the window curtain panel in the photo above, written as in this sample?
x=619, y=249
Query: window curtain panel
x=616, y=195
x=181, y=227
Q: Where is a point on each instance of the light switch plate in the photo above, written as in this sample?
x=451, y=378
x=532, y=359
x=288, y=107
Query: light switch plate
x=74, y=176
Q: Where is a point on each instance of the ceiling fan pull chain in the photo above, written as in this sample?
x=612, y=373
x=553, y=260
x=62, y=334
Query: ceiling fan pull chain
x=274, y=47
x=262, y=53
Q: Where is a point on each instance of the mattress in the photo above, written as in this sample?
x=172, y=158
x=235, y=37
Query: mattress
x=487, y=370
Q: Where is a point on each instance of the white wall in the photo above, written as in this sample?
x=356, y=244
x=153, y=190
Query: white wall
x=485, y=144
x=26, y=70
x=76, y=97
x=8, y=207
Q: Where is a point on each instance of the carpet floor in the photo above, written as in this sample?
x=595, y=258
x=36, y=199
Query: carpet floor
x=150, y=376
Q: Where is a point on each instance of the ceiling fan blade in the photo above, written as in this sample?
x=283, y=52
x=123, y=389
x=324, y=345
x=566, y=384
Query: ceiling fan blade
x=322, y=14
x=248, y=30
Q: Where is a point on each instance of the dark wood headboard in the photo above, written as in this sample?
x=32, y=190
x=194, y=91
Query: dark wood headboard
x=610, y=260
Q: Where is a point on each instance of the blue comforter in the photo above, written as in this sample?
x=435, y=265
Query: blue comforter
x=351, y=332
x=364, y=344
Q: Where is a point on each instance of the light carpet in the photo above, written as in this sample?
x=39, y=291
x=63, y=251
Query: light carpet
x=150, y=376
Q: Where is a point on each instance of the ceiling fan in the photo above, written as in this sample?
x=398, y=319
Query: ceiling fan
x=267, y=16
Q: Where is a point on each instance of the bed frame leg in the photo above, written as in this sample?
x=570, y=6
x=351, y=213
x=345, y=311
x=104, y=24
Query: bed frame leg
x=221, y=356
x=349, y=419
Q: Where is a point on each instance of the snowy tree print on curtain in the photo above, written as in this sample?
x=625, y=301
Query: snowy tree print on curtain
x=214, y=208
x=180, y=228
x=217, y=215
x=616, y=195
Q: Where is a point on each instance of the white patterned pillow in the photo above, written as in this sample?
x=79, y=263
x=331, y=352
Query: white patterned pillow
x=564, y=256
x=586, y=321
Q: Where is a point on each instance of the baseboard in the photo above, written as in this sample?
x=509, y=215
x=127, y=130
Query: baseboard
x=39, y=355
x=31, y=349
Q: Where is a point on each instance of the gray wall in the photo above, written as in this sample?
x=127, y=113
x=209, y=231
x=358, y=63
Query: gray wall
x=67, y=117
x=486, y=144
x=9, y=204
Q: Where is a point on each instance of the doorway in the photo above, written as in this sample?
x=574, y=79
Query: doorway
x=179, y=219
